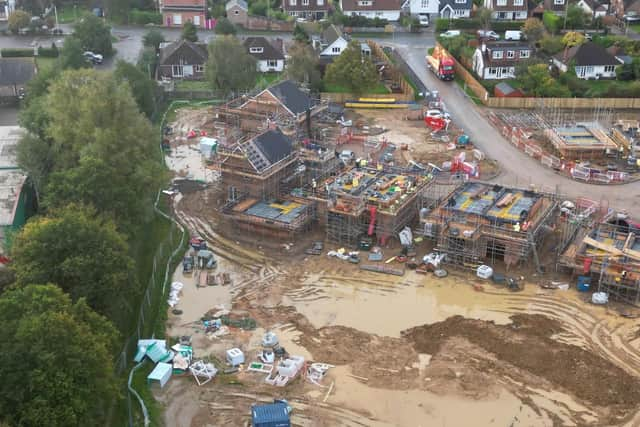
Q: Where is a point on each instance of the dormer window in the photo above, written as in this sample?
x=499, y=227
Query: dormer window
x=511, y=54
x=365, y=3
x=558, y=2
x=524, y=54
x=518, y=2
x=256, y=50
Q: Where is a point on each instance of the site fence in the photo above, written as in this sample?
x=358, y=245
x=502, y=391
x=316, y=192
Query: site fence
x=155, y=296
x=522, y=140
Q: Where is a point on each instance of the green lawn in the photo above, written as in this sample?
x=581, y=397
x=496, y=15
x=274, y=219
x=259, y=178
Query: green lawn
x=69, y=14
x=635, y=27
x=195, y=85
x=264, y=80
x=467, y=90
x=45, y=64
x=380, y=89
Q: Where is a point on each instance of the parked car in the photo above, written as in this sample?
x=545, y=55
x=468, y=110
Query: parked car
x=514, y=35
x=631, y=17
x=450, y=34
x=488, y=34
x=94, y=58
x=424, y=20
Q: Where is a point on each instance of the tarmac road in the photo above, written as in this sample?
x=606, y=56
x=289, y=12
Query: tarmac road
x=517, y=168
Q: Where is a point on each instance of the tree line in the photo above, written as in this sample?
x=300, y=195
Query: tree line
x=90, y=151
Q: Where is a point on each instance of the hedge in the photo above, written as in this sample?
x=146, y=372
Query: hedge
x=16, y=53
x=142, y=17
x=48, y=52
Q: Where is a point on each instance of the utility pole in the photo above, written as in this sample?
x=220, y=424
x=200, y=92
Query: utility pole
x=566, y=9
x=55, y=11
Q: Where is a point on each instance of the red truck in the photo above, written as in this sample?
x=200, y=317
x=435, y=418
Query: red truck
x=441, y=63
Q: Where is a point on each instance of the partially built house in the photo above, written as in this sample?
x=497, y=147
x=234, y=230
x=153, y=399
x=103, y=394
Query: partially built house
x=484, y=223
x=586, y=141
x=365, y=201
x=609, y=252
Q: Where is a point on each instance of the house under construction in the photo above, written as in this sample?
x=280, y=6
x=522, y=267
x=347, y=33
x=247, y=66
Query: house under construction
x=365, y=201
x=581, y=142
x=609, y=252
x=481, y=223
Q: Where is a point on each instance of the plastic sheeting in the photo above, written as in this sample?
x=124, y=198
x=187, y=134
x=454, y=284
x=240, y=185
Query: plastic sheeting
x=600, y=298
x=174, y=294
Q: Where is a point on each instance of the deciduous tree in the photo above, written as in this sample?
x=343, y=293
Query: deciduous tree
x=534, y=30
x=353, y=70
x=153, y=38
x=551, y=21
x=82, y=253
x=18, y=19
x=57, y=366
x=143, y=88
x=72, y=54
x=225, y=27
x=300, y=35
x=94, y=34
x=576, y=17
x=484, y=17
x=229, y=67
x=303, y=65
x=190, y=32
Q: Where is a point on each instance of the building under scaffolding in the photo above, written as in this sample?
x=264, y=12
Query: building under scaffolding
x=256, y=166
x=581, y=142
x=364, y=201
x=481, y=223
x=609, y=252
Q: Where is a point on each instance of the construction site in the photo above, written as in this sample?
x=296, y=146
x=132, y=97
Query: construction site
x=341, y=257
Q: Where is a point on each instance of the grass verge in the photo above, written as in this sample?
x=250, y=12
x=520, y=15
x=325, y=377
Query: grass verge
x=193, y=85
x=379, y=89
x=45, y=64
x=467, y=90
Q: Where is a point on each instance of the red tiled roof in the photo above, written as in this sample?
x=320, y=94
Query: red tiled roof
x=182, y=3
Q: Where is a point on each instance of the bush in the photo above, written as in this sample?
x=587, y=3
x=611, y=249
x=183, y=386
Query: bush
x=465, y=24
x=551, y=21
x=225, y=27
x=361, y=21
x=442, y=24
x=16, y=53
x=501, y=26
x=143, y=17
x=551, y=45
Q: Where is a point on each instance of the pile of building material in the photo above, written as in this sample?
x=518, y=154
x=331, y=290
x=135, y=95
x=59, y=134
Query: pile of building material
x=286, y=370
x=174, y=294
x=317, y=371
x=203, y=372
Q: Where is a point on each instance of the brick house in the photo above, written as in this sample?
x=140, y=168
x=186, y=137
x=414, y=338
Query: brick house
x=556, y=6
x=507, y=10
x=237, y=12
x=182, y=60
x=383, y=9
x=176, y=12
x=590, y=61
x=498, y=60
x=307, y=9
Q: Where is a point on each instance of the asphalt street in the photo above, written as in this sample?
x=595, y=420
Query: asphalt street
x=517, y=168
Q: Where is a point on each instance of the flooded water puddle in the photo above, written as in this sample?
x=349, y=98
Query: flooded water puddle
x=424, y=408
x=386, y=305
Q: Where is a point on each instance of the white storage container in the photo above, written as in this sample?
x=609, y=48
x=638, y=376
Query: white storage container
x=484, y=272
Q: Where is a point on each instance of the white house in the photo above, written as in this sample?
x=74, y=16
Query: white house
x=333, y=42
x=383, y=9
x=454, y=9
x=592, y=61
x=6, y=8
x=422, y=7
x=594, y=8
x=508, y=10
x=498, y=60
x=268, y=57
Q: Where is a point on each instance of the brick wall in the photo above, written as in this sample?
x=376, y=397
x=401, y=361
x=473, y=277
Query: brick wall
x=169, y=21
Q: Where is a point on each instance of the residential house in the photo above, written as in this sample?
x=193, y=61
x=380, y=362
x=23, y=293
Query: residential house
x=182, y=60
x=454, y=9
x=175, y=13
x=14, y=75
x=283, y=98
x=507, y=10
x=594, y=8
x=422, y=7
x=237, y=12
x=333, y=42
x=269, y=58
x=620, y=54
x=592, y=61
x=622, y=7
x=6, y=7
x=498, y=60
x=306, y=9
x=536, y=10
x=382, y=9
x=559, y=7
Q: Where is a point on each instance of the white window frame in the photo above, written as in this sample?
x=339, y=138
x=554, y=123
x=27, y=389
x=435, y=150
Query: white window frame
x=292, y=2
x=609, y=68
x=305, y=2
x=497, y=54
x=511, y=54
x=364, y=3
x=198, y=68
x=518, y=2
x=256, y=50
x=525, y=54
x=272, y=63
x=177, y=19
x=236, y=12
x=378, y=13
x=501, y=2
x=177, y=71
x=458, y=11
x=558, y=2
x=335, y=49
x=424, y=4
x=196, y=20
x=320, y=2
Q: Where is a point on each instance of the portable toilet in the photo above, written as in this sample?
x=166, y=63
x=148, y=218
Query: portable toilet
x=235, y=357
x=271, y=415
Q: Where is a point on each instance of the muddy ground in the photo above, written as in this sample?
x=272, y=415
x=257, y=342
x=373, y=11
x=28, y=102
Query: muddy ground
x=408, y=351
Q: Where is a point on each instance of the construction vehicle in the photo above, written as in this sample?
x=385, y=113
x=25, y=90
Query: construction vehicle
x=441, y=63
x=463, y=141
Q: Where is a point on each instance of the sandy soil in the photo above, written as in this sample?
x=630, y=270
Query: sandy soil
x=408, y=351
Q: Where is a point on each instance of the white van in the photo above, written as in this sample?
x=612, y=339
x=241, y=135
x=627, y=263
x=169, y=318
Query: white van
x=514, y=35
